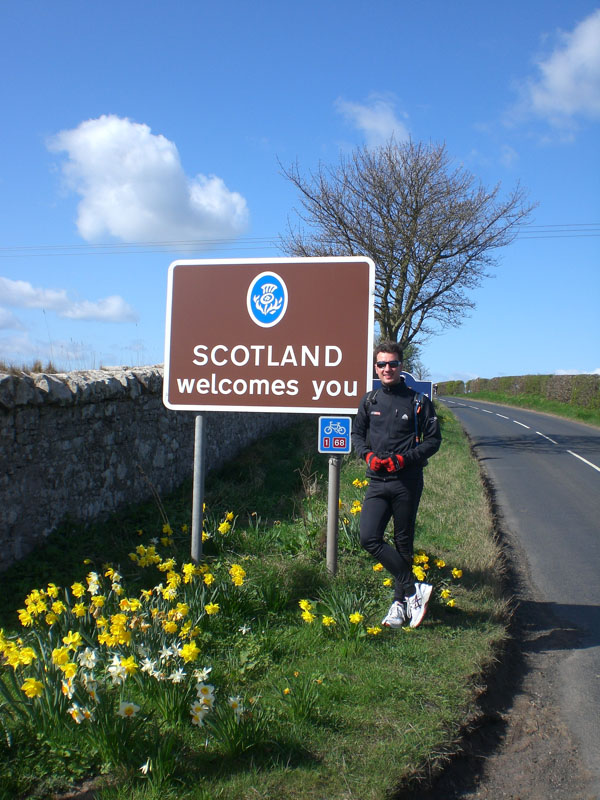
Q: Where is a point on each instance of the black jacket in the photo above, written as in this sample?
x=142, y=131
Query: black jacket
x=385, y=425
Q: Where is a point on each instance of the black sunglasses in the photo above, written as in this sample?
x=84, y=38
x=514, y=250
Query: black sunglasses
x=392, y=364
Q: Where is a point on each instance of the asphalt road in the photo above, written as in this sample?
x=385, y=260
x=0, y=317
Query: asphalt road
x=545, y=472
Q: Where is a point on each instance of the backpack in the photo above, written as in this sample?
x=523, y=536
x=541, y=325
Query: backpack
x=418, y=404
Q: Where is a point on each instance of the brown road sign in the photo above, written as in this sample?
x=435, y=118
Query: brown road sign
x=289, y=335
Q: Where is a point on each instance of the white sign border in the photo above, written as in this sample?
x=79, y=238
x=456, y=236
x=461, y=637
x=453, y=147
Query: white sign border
x=268, y=262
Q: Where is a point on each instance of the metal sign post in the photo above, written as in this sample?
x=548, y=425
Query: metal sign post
x=333, y=512
x=198, y=486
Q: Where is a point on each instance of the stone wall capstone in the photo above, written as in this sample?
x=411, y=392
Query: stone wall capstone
x=83, y=444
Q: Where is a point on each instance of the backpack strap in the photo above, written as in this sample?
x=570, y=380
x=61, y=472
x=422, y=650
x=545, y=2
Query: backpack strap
x=371, y=399
x=418, y=403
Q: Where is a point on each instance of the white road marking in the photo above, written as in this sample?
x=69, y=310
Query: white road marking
x=546, y=437
x=485, y=411
x=521, y=424
x=585, y=461
x=501, y=415
x=475, y=407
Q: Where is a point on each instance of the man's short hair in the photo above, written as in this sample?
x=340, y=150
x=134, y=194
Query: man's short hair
x=388, y=346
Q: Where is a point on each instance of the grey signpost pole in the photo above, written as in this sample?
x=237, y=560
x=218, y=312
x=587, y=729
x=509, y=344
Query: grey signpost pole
x=198, y=486
x=333, y=512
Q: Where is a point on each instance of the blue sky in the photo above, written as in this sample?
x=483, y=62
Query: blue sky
x=129, y=123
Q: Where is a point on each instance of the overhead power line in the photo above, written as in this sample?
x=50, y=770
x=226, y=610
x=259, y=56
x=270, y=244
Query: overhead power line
x=552, y=231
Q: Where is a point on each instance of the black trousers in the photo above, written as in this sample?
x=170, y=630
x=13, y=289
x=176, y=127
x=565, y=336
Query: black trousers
x=396, y=497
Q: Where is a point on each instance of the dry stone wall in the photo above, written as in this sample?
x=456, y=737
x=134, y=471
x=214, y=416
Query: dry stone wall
x=83, y=444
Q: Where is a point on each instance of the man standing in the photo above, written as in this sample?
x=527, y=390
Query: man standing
x=395, y=431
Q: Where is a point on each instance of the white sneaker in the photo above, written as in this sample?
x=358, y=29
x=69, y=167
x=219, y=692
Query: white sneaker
x=396, y=616
x=416, y=606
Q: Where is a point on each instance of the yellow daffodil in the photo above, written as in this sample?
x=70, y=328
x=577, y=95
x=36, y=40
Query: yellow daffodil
x=60, y=656
x=190, y=651
x=25, y=617
x=356, y=618
x=32, y=688
x=79, y=610
x=212, y=608
x=69, y=669
x=129, y=665
x=73, y=640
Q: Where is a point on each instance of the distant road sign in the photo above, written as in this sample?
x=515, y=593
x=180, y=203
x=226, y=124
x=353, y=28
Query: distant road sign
x=291, y=334
x=425, y=387
x=334, y=435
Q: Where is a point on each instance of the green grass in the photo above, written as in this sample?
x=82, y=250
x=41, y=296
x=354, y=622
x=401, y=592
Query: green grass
x=363, y=715
x=591, y=416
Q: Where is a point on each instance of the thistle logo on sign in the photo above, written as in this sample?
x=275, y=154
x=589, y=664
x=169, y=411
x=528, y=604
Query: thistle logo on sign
x=267, y=299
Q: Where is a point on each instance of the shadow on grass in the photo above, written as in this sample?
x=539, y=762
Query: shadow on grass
x=275, y=754
x=267, y=479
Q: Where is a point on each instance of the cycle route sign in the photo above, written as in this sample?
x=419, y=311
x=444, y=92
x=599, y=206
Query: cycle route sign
x=287, y=335
x=334, y=435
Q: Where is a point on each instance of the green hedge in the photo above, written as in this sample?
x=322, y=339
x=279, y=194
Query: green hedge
x=577, y=390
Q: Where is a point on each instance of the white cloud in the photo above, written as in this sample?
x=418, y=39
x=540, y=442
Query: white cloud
x=8, y=321
x=577, y=371
x=110, y=309
x=376, y=119
x=133, y=187
x=21, y=294
x=568, y=80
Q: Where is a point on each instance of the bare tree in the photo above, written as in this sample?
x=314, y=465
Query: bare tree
x=431, y=229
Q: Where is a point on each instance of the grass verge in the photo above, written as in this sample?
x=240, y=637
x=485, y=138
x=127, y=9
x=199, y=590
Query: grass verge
x=256, y=673
x=591, y=416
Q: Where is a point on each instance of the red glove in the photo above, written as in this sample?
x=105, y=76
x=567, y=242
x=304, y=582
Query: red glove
x=393, y=463
x=373, y=462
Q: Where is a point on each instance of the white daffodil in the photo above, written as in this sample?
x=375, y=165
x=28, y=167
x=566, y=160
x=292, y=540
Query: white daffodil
x=127, y=710
x=177, y=676
x=202, y=674
x=147, y=767
x=165, y=653
x=204, y=690
x=235, y=703
x=117, y=671
x=148, y=666
x=88, y=658
x=76, y=713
